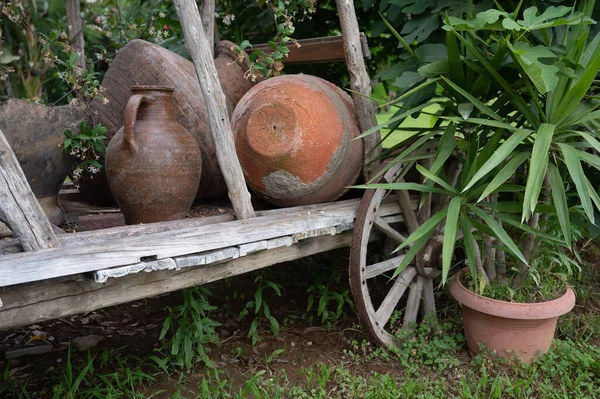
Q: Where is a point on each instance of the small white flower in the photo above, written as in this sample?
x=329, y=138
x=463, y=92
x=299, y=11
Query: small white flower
x=161, y=14
x=105, y=100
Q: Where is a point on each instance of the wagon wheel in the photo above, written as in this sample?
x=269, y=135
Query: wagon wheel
x=381, y=299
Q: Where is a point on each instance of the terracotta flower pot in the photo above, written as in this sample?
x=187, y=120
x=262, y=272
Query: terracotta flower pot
x=295, y=140
x=508, y=329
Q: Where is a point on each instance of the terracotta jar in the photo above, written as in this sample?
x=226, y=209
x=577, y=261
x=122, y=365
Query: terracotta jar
x=141, y=63
x=509, y=329
x=295, y=140
x=153, y=163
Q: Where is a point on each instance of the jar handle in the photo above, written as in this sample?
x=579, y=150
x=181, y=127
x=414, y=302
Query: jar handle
x=131, y=111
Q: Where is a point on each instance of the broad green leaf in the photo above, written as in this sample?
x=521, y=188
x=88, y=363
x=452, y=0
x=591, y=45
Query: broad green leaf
x=481, y=19
x=408, y=79
x=465, y=109
x=412, y=252
x=591, y=159
x=419, y=29
x=590, y=50
x=542, y=75
x=450, y=230
x=434, y=69
x=537, y=168
x=394, y=119
x=502, y=154
x=576, y=172
x=499, y=232
x=532, y=21
x=560, y=202
x=432, y=52
x=505, y=173
x=457, y=73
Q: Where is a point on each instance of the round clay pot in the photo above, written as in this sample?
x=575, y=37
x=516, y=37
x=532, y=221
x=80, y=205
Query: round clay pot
x=141, y=63
x=508, y=329
x=36, y=134
x=153, y=163
x=295, y=140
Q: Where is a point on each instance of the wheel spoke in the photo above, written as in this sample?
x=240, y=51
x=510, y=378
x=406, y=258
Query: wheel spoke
x=388, y=230
x=391, y=300
x=406, y=207
x=414, y=300
x=428, y=298
x=382, y=267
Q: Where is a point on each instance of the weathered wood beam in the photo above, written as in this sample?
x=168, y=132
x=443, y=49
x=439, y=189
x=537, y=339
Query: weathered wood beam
x=208, y=20
x=75, y=31
x=318, y=49
x=202, y=56
x=361, y=85
x=19, y=208
x=57, y=262
x=34, y=303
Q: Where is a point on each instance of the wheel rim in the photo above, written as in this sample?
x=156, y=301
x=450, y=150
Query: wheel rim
x=411, y=293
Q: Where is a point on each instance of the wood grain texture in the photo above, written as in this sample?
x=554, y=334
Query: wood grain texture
x=208, y=21
x=202, y=56
x=19, y=208
x=75, y=31
x=387, y=307
x=360, y=83
x=318, y=49
x=34, y=303
x=57, y=262
x=413, y=302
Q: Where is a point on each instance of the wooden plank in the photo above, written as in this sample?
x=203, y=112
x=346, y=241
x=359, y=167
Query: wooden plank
x=75, y=31
x=360, y=83
x=202, y=55
x=317, y=50
x=388, y=230
x=95, y=237
x=428, y=298
x=101, y=276
x=19, y=208
x=51, y=263
x=391, y=299
x=34, y=303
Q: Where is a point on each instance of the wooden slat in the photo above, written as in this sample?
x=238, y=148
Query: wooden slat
x=413, y=302
x=316, y=50
x=51, y=263
x=19, y=208
x=388, y=230
x=360, y=83
x=391, y=300
x=428, y=298
x=34, y=303
x=379, y=268
x=202, y=55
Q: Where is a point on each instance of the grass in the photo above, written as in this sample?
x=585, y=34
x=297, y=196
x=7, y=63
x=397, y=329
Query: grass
x=431, y=363
x=401, y=135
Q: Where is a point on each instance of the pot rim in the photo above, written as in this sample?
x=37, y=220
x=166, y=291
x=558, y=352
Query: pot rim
x=511, y=310
x=151, y=87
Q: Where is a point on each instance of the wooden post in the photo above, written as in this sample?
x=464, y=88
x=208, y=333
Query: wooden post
x=19, y=208
x=202, y=55
x=208, y=20
x=75, y=28
x=361, y=84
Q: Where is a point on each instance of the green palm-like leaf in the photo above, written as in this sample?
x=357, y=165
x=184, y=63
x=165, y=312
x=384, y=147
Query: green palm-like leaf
x=426, y=229
x=560, y=202
x=503, y=153
x=576, y=172
x=537, y=168
x=450, y=231
x=505, y=173
x=466, y=227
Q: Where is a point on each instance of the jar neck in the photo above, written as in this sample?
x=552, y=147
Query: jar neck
x=157, y=107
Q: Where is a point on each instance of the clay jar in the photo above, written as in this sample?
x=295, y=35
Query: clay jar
x=141, y=63
x=153, y=163
x=295, y=140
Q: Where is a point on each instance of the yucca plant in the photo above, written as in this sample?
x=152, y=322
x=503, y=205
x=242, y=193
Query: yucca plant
x=518, y=119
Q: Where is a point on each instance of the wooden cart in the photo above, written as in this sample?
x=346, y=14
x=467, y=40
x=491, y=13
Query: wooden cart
x=44, y=275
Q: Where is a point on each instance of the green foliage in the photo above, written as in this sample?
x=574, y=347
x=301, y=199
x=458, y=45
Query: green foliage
x=86, y=147
x=191, y=330
x=259, y=308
